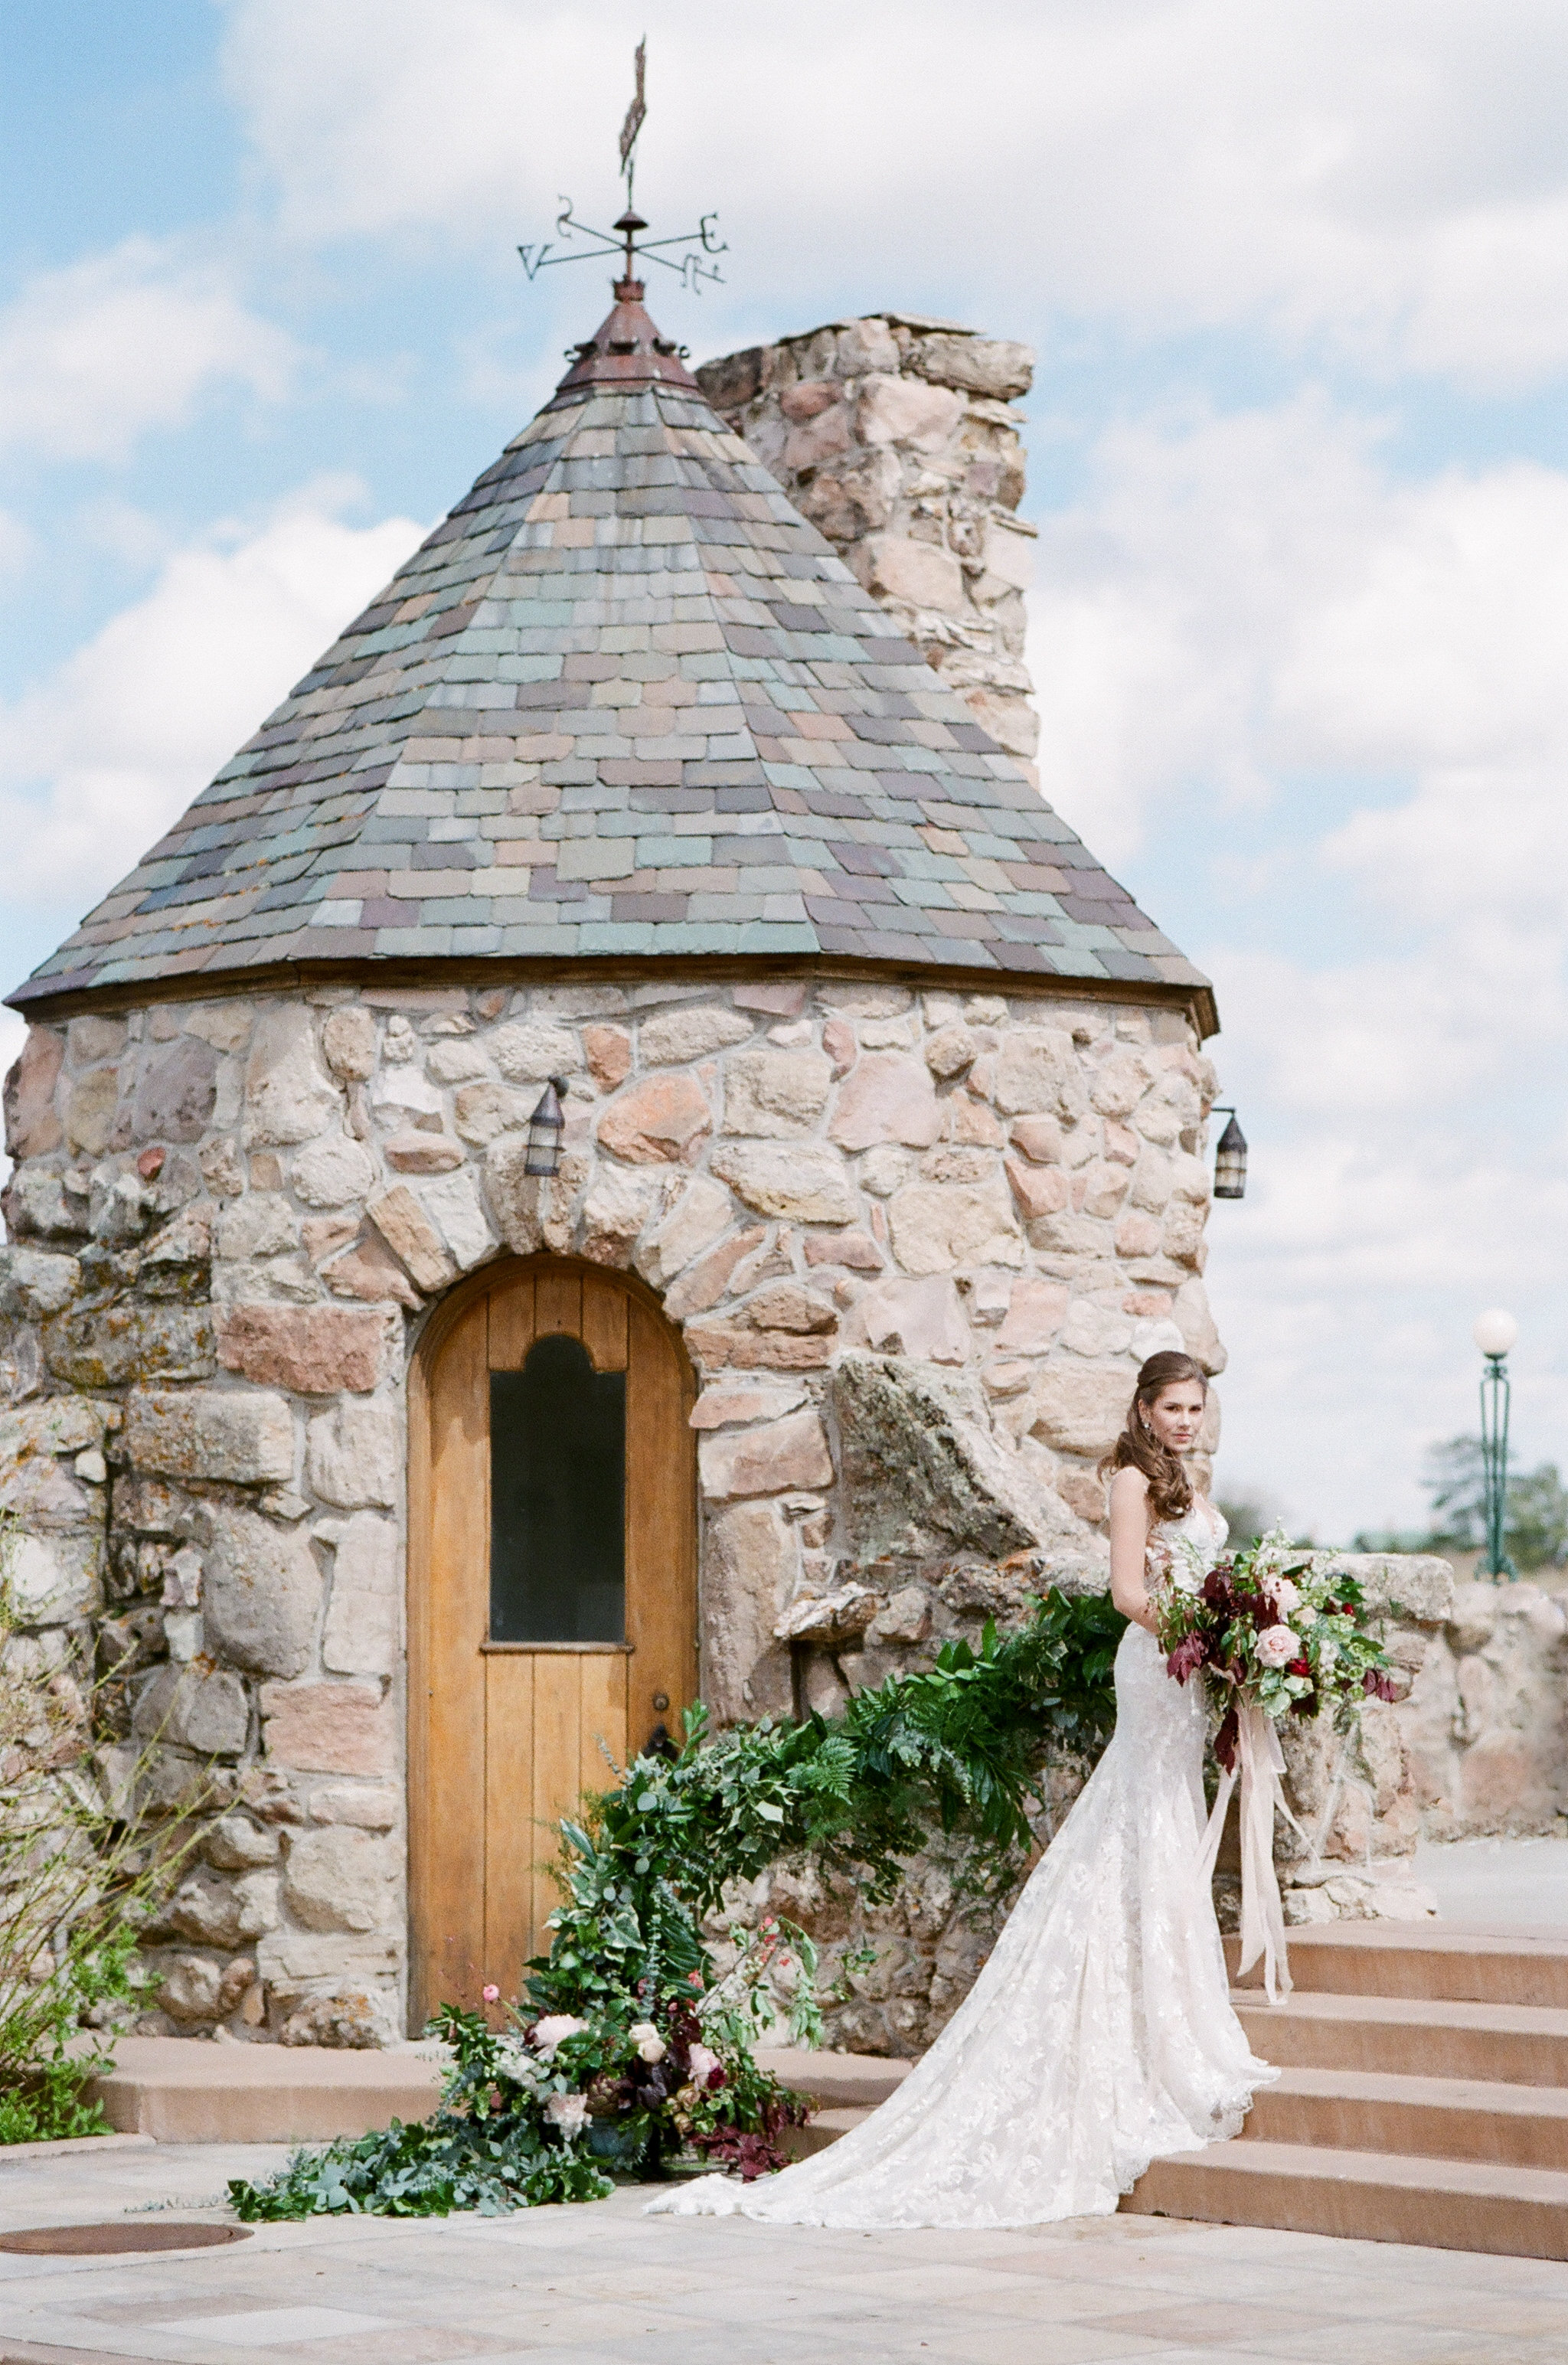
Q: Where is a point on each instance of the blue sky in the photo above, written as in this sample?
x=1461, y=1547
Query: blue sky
x=1298, y=281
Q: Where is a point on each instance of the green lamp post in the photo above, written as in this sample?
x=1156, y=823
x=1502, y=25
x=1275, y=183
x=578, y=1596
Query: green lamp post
x=1495, y=1334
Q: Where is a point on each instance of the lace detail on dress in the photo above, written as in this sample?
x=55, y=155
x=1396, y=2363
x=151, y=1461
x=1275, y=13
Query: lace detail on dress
x=1099, y=2036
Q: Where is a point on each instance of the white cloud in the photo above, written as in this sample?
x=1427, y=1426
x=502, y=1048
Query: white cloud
x=99, y=759
x=1240, y=605
x=1394, y=181
x=93, y=355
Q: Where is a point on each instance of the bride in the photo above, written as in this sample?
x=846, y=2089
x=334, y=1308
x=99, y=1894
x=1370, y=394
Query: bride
x=1099, y=2036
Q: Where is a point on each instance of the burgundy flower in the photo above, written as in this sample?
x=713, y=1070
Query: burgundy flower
x=1187, y=1657
x=1299, y=1667
x=1375, y=1683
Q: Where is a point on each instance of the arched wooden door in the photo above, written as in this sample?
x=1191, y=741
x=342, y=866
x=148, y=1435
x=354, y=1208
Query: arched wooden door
x=543, y=1616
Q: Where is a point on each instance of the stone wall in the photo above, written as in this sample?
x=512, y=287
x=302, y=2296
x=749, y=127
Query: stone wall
x=917, y=1245
x=1486, y=1724
x=898, y=438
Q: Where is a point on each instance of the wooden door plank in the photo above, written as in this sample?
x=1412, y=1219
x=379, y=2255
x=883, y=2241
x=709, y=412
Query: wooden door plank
x=557, y=1754
x=451, y=1873
x=511, y=1840
x=602, y=1681
x=604, y=1322
x=511, y=1322
x=661, y=1587
x=557, y=1300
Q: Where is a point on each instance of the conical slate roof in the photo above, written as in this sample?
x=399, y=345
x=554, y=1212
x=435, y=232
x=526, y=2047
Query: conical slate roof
x=624, y=702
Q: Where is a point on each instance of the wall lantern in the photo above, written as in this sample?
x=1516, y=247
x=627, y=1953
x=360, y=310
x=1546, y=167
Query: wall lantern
x=1495, y=1334
x=1230, y=1160
x=545, y=1127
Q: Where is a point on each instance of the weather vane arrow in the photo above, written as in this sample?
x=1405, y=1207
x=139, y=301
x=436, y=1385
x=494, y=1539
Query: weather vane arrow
x=697, y=243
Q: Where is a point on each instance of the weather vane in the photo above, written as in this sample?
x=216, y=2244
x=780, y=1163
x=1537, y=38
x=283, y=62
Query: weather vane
x=698, y=243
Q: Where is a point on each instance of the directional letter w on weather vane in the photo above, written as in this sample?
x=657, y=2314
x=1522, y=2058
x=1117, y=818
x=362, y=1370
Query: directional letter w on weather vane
x=698, y=243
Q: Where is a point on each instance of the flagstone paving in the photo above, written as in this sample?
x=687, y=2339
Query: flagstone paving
x=598, y=2285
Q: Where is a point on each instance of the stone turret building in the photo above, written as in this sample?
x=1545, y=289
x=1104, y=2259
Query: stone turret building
x=405, y=1481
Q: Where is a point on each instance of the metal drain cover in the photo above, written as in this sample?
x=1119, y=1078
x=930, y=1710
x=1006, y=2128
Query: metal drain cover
x=122, y=2234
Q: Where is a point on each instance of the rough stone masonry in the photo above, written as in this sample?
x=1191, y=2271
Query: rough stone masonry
x=915, y=1244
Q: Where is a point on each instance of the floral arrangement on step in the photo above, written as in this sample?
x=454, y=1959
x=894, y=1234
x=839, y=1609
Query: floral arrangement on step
x=1271, y=1625
x=627, y=2052
x=546, y=2107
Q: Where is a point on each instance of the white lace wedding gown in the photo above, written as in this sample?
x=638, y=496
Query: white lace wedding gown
x=1099, y=2036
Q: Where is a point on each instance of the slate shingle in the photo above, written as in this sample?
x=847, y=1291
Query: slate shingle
x=624, y=699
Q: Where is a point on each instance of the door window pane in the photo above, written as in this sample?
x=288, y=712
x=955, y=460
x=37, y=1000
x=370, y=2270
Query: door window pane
x=557, y=1490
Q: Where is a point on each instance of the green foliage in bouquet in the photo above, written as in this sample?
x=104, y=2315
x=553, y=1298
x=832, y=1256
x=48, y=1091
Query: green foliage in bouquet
x=628, y=2050
x=1285, y=1629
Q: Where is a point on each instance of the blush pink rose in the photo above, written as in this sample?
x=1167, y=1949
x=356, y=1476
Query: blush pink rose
x=1277, y=1646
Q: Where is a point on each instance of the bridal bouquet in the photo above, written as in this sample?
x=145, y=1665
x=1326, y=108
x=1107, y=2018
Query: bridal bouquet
x=1275, y=1636
x=1266, y=1625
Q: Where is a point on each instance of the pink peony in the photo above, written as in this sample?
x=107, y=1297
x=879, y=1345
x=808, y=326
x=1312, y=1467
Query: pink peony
x=703, y=2063
x=1277, y=1646
x=1285, y=1597
x=567, y=2111
x=492, y=1995
x=554, y=2029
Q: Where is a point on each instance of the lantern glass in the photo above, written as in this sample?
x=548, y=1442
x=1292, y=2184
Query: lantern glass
x=1230, y=1164
x=545, y=1127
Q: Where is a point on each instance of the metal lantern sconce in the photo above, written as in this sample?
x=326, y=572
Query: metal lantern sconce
x=1495, y=1334
x=1230, y=1160
x=545, y=1127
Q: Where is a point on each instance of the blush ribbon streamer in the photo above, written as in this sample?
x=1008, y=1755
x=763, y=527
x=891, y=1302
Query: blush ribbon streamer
x=1262, y=1762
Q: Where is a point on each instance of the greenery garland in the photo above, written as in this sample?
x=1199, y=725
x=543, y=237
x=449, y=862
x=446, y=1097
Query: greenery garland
x=629, y=2050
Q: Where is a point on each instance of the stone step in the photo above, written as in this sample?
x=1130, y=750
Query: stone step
x=1506, y=2045
x=1429, y=2118
x=188, y=2089
x=1364, y=2196
x=837, y=2081
x=798, y=2143
x=1422, y=1961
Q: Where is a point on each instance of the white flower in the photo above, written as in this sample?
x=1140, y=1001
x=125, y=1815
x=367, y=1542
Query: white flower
x=513, y=2059
x=567, y=2111
x=703, y=2063
x=650, y=2045
x=1328, y=1652
x=1187, y=1565
x=554, y=2029
x=1276, y=1645
x=1286, y=1597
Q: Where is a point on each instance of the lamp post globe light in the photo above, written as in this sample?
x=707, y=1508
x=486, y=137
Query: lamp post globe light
x=1495, y=1334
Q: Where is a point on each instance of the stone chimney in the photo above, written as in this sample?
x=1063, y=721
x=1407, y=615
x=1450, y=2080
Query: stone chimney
x=897, y=437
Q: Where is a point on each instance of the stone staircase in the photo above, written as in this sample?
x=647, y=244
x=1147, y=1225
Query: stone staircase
x=1424, y=2096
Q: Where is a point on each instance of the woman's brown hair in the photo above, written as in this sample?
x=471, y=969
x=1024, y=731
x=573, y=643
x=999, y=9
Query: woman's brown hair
x=1137, y=1448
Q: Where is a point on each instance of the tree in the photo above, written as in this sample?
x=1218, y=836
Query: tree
x=1537, y=1506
